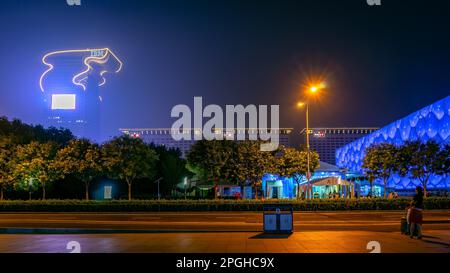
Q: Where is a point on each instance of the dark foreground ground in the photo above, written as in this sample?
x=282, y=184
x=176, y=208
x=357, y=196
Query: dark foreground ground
x=219, y=232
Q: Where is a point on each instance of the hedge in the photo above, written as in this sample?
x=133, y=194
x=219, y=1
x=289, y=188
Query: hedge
x=213, y=205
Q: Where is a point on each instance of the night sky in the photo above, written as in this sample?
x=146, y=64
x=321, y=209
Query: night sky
x=381, y=63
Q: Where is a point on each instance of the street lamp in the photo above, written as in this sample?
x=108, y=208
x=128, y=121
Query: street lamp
x=30, y=183
x=157, y=181
x=313, y=89
x=185, y=184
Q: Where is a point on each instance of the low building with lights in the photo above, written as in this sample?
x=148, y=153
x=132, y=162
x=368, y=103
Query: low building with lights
x=327, y=181
x=163, y=136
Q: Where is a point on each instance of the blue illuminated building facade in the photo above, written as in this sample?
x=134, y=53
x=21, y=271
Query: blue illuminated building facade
x=429, y=123
x=70, y=85
x=325, y=181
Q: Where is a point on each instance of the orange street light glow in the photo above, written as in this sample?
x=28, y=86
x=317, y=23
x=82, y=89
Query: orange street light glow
x=316, y=87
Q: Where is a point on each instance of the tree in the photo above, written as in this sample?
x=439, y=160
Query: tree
x=371, y=178
x=252, y=163
x=380, y=162
x=170, y=166
x=82, y=159
x=294, y=163
x=419, y=160
x=22, y=133
x=6, y=153
x=442, y=164
x=210, y=156
x=128, y=159
x=36, y=162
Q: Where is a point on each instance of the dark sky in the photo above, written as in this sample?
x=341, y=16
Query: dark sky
x=381, y=63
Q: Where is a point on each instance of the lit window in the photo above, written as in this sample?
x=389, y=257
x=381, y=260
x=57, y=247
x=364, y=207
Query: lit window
x=63, y=101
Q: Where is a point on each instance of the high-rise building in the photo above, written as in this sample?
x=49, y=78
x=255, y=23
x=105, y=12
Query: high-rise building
x=163, y=136
x=325, y=141
x=71, y=88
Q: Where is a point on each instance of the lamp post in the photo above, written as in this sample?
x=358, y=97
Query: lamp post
x=311, y=90
x=308, y=170
x=157, y=181
x=185, y=184
x=30, y=183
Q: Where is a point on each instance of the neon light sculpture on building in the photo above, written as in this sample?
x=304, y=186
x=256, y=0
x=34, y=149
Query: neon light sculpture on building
x=98, y=56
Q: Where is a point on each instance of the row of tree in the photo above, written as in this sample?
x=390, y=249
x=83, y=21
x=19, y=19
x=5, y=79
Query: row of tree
x=242, y=162
x=37, y=164
x=414, y=159
x=22, y=133
x=32, y=157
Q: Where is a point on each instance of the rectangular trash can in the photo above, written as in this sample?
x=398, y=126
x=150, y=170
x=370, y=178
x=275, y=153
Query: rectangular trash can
x=278, y=218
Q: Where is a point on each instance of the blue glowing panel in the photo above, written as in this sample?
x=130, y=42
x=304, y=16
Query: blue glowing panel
x=63, y=101
x=430, y=123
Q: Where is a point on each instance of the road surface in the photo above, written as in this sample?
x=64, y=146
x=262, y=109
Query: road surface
x=215, y=221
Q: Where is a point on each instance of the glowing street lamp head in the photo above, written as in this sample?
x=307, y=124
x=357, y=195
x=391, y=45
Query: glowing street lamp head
x=300, y=104
x=317, y=87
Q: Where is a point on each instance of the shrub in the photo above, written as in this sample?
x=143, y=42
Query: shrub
x=213, y=205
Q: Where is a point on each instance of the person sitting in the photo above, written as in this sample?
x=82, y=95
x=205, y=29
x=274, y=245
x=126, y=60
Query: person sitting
x=416, y=213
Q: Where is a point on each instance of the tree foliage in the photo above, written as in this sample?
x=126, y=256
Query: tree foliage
x=82, y=159
x=36, y=162
x=7, y=149
x=211, y=157
x=243, y=161
x=170, y=167
x=128, y=159
x=415, y=159
x=291, y=162
x=22, y=133
x=420, y=160
x=381, y=162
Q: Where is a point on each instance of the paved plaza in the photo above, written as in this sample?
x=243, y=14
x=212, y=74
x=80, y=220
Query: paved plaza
x=434, y=241
x=226, y=232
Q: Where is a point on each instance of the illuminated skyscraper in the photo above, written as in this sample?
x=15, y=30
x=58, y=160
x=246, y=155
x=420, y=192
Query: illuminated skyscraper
x=71, y=88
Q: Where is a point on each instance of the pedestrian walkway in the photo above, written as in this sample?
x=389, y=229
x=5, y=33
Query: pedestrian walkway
x=434, y=241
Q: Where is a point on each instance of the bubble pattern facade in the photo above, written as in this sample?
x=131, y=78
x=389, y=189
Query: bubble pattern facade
x=429, y=123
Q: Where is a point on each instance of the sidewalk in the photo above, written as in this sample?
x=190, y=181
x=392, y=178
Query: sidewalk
x=434, y=241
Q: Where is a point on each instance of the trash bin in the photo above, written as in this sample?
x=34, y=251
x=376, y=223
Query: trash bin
x=278, y=218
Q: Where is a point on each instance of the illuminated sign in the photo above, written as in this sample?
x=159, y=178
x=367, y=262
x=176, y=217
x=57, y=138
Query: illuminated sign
x=319, y=134
x=107, y=192
x=63, y=102
x=98, y=56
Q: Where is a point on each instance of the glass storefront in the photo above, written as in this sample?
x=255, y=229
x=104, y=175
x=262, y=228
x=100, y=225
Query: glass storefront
x=377, y=191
